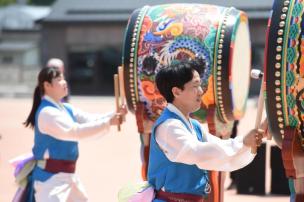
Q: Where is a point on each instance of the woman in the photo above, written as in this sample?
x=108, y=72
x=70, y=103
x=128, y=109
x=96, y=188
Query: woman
x=58, y=127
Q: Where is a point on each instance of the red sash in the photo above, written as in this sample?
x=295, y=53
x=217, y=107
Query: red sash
x=56, y=166
x=178, y=197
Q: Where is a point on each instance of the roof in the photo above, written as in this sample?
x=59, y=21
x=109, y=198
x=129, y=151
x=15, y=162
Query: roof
x=16, y=46
x=120, y=10
x=21, y=16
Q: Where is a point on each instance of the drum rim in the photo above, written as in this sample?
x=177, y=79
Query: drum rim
x=222, y=92
x=225, y=92
x=274, y=69
x=130, y=46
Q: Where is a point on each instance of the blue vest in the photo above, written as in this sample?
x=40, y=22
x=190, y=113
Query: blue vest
x=57, y=149
x=175, y=177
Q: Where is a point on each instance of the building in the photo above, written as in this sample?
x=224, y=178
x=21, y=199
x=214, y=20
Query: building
x=88, y=36
x=19, y=48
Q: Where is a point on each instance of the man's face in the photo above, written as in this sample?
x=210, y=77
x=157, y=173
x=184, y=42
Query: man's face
x=190, y=96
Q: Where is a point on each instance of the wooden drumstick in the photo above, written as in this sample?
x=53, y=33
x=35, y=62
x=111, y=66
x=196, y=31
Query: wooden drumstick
x=260, y=105
x=121, y=84
x=121, y=87
x=116, y=93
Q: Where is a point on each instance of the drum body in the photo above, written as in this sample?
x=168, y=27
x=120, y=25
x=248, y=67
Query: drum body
x=217, y=37
x=284, y=68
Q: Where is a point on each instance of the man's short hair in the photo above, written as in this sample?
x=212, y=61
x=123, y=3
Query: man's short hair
x=176, y=75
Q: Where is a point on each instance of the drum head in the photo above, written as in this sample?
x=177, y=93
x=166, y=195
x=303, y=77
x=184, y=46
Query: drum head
x=160, y=35
x=284, y=69
x=232, y=65
x=240, y=68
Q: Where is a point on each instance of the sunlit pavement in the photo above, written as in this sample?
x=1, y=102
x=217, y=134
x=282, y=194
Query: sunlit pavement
x=106, y=163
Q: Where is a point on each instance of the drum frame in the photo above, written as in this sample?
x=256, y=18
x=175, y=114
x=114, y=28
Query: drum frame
x=130, y=50
x=280, y=70
x=221, y=64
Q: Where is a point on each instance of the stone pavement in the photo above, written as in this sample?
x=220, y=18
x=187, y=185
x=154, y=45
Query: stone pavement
x=105, y=164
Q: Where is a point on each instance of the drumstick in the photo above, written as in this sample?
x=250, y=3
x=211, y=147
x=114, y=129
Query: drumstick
x=116, y=92
x=121, y=84
x=121, y=87
x=260, y=105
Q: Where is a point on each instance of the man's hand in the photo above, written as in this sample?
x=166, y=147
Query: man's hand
x=254, y=137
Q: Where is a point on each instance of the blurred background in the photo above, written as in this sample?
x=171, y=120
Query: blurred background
x=88, y=36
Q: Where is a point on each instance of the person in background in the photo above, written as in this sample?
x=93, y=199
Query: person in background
x=56, y=62
x=58, y=127
x=181, y=152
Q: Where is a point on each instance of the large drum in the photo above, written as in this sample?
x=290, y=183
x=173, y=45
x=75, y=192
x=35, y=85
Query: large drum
x=215, y=36
x=284, y=69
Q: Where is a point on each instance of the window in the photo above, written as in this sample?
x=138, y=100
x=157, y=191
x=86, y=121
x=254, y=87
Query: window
x=7, y=59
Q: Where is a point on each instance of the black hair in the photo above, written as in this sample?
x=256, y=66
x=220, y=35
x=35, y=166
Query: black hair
x=46, y=74
x=149, y=65
x=176, y=75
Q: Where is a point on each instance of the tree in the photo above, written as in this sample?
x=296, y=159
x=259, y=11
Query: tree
x=6, y=2
x=41, y=2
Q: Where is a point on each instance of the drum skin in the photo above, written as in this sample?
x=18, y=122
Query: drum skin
x=284, y=69
x=160, y=35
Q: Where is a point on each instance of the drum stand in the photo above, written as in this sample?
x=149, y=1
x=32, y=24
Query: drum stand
x=144, y=126
x=217, y=178
x=293, y=160
x=292, y=152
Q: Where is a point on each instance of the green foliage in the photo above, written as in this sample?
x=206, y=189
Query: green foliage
x=6, y=2
x=41, y=2
x=30, y=2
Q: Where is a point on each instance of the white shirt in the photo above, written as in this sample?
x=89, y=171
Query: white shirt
x=58, y=123
x=181, y=145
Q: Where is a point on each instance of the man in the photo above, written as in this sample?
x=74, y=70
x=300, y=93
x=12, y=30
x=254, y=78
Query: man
x=181, y=152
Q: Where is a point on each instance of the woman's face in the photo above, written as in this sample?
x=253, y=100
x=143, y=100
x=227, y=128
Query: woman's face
x=57, y=89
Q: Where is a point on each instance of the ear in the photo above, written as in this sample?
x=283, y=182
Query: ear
x=176, y=91
x=46, y=85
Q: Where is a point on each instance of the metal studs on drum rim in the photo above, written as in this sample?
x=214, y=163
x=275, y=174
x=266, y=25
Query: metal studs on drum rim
x=284, y=72
x=218, y=37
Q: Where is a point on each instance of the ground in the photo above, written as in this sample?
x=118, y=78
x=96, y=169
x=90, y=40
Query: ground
x=105, y=164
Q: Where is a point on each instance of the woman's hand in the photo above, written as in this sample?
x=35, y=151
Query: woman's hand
x=123, y=110
x=119, y=117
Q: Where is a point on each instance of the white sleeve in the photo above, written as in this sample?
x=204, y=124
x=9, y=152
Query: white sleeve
x=84, y=117
x=59, y=124
x=179, y=145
